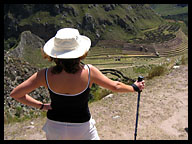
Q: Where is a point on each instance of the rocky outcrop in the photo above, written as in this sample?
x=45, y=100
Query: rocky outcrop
x=88, y=22
x=109, y=7
x=28, y=40
x=104, y=22
x=70, y=10
x=122, y=23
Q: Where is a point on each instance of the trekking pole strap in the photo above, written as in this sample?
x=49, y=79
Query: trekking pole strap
x=135, y=87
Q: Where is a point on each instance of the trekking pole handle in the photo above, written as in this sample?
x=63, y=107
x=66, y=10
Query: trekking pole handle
x=140, y=78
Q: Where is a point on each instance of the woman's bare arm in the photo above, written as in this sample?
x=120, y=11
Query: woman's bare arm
x=20, y=93
x=98, y=78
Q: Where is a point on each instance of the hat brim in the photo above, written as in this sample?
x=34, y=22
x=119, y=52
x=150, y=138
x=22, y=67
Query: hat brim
x=83, y=47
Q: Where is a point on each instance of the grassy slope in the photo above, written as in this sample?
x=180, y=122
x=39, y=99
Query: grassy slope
x=117, y=32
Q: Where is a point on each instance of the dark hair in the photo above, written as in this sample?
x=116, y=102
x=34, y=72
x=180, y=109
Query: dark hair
x=68, y=65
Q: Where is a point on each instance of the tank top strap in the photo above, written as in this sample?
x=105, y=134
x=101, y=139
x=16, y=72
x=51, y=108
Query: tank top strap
x=46, y=77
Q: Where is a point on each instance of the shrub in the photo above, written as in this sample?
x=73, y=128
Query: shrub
x=142, y=69
x=184, y=60
x=156, y=71
x=97, y=93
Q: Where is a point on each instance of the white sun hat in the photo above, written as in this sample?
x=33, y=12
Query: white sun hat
x=67, y=44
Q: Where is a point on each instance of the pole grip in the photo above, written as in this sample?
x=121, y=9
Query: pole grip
x=140, y=78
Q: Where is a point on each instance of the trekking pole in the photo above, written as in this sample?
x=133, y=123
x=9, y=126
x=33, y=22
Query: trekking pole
x=140, y=78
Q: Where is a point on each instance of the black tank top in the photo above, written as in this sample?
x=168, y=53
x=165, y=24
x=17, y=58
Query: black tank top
x=69, y=108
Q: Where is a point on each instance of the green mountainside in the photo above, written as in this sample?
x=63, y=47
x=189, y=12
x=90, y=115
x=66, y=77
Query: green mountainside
x=97, y=21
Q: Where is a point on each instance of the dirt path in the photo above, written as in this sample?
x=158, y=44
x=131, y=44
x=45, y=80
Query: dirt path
x=163, y=113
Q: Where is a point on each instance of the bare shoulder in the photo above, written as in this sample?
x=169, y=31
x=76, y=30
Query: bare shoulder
x=39, y=77
x=99, y=78
x=93, y=68
x=95, y=72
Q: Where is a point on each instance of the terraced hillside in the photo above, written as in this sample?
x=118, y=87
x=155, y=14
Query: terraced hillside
x=164, y=41
x=173, y=47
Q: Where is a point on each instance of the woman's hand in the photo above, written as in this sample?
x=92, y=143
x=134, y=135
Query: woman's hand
x=140, y=85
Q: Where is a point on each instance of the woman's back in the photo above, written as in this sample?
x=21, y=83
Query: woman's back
x=69, y=95
x=66, y=83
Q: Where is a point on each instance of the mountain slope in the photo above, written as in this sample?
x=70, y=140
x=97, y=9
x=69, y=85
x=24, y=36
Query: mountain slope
x=98, y=21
